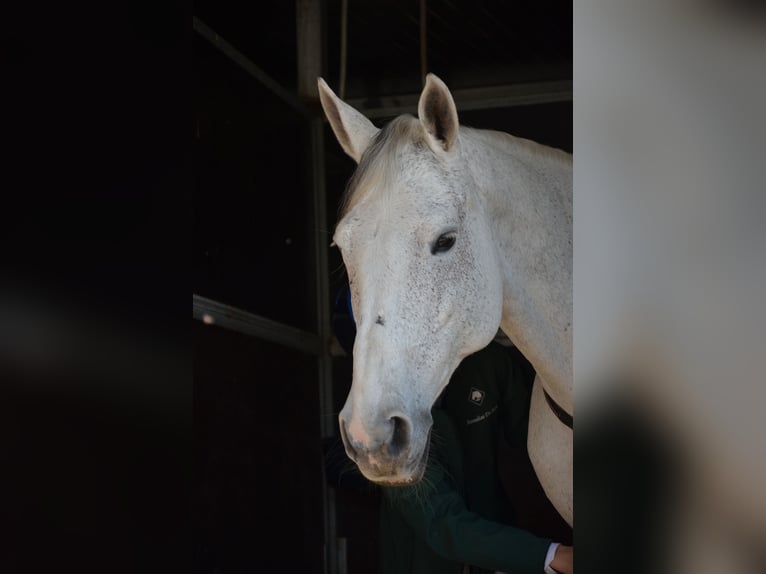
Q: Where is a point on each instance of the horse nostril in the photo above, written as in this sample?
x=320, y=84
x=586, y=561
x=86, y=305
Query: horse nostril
x=344, y=437
x=400, y=439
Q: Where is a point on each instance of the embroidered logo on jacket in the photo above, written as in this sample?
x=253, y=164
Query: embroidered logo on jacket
x=483, y=416
x=476, y=396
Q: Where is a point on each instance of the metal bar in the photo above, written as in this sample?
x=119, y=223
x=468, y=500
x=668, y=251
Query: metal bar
x=327, y=424
x=342, y=555
x=243, y=62
x=309, y=47
x=321, y=244
x=423, y=41
x=343, y=47
x=472, y=98
x=215, y=313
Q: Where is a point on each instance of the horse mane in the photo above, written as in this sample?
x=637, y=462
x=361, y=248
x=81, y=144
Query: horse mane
x=377, y=162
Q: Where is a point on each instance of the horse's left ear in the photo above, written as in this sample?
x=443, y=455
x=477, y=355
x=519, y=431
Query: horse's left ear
x=437, y=113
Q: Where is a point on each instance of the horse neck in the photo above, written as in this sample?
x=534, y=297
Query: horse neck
x=526, y=190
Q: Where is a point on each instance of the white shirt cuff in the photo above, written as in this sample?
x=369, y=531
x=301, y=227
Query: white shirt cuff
x=549, y=558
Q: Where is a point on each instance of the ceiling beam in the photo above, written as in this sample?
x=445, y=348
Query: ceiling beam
x=248, y=66
x=471, y=98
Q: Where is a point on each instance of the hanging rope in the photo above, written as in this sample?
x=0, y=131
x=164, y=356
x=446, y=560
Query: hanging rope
x=343, y=50
x=423, y=42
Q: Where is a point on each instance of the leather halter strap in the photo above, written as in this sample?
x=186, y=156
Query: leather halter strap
x=560, y=413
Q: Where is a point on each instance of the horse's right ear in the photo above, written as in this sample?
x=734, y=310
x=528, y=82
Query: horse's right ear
x=353, y=130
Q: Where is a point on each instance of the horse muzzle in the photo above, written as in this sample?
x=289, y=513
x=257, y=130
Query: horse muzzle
x=385, y=453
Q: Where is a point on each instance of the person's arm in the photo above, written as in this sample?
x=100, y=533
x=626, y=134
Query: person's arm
x=562, y=561
x=558, y=560
x=552, y=550
x=520, y=375
x=439, y=517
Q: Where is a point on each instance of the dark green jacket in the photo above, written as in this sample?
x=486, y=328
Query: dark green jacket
x=459, y=514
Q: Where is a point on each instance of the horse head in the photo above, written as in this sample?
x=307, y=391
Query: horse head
x=424, y=276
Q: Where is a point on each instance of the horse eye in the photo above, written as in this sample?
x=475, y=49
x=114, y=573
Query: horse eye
x=444, y=243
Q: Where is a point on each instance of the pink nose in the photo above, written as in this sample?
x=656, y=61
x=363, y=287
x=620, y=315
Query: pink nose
x=384, y=447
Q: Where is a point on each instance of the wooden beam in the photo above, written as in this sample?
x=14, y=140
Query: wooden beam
x=471, y=98
x=248, y=66
x=308, y=22
x=213, y=312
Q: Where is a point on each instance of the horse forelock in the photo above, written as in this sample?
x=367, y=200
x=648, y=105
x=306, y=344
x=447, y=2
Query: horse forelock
x=378, y=163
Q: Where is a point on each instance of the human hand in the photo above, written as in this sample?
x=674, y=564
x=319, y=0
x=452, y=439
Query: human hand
x=563, y=559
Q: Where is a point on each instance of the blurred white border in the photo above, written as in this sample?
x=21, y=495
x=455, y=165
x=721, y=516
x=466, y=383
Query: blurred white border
x=670, y=248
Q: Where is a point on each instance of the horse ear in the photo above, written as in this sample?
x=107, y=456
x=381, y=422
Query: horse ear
x=353, y=131
x=437, y=113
